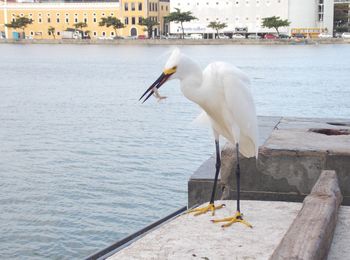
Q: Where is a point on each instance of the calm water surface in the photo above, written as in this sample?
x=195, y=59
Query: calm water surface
x=83, y=163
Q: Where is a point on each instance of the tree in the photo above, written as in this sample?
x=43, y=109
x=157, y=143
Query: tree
x=80, y=26
x=20, y=22
x=149, y=24
x=217, y=26
x=275, y=22
x=180, y=17
x=51, y=30
x=113, y=22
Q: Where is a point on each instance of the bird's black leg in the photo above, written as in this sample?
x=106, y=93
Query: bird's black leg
x=217, y=167
x=238, y=179
x=238, y=216
x=211, y=207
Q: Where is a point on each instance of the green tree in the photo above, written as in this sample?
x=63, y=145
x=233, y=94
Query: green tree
x=217, y=26
x=113, y=22
x=80, y=26
x=180, y=17
x=51, y=30
x=275, y=22
x=20, y=22
x=149, y=24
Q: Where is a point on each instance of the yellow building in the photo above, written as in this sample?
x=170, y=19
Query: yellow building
x=64, y=15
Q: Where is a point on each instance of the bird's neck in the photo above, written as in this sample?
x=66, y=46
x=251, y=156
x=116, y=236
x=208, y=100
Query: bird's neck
x=191, y=81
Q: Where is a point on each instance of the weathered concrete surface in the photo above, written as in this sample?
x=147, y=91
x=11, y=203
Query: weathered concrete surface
x=201, y=181
x=291, y=158
x=311, y=233
x=189, y=237
x=340, y=248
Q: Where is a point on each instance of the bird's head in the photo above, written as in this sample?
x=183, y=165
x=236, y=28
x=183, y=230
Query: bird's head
x=171, y=70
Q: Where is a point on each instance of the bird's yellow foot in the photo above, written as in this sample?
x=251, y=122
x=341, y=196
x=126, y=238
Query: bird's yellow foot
x=238, y=217
x=211, y=207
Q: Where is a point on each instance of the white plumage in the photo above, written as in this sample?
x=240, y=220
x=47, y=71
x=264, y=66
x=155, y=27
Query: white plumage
x=222, y=91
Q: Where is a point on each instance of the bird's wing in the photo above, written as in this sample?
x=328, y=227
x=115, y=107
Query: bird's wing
x=240, y=103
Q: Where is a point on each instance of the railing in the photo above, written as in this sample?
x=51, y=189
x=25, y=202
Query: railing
x=112, y=249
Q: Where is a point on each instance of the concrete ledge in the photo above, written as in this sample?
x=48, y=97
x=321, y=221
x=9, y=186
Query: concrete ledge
x=310, y=235
x=340, y=248
x=190, y=237
x=291, y=158
x=281, y=230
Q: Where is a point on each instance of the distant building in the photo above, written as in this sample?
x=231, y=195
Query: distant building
x=245, y=16
x=62, y=15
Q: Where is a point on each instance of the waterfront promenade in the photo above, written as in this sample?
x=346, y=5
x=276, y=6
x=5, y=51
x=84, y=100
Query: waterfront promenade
x=181, y=41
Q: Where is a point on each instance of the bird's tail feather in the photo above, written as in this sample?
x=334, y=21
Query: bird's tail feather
x=247, y=147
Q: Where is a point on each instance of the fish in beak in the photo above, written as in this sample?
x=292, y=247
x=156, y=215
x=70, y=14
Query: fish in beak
x=153, y=89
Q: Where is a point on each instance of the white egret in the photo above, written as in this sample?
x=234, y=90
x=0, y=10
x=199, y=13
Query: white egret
x=222, y=91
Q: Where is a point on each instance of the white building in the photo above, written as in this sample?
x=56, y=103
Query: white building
x=305, y=15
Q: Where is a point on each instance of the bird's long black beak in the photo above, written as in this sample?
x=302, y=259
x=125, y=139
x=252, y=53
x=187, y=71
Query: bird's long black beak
x=157, y=84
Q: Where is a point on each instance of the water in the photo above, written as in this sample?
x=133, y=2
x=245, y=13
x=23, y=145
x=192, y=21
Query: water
x=83, y=163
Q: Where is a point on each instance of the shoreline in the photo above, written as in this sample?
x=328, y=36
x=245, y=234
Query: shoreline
x=180, y=41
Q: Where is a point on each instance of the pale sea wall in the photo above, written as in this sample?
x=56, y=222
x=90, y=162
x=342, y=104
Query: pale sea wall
x=181, y=42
